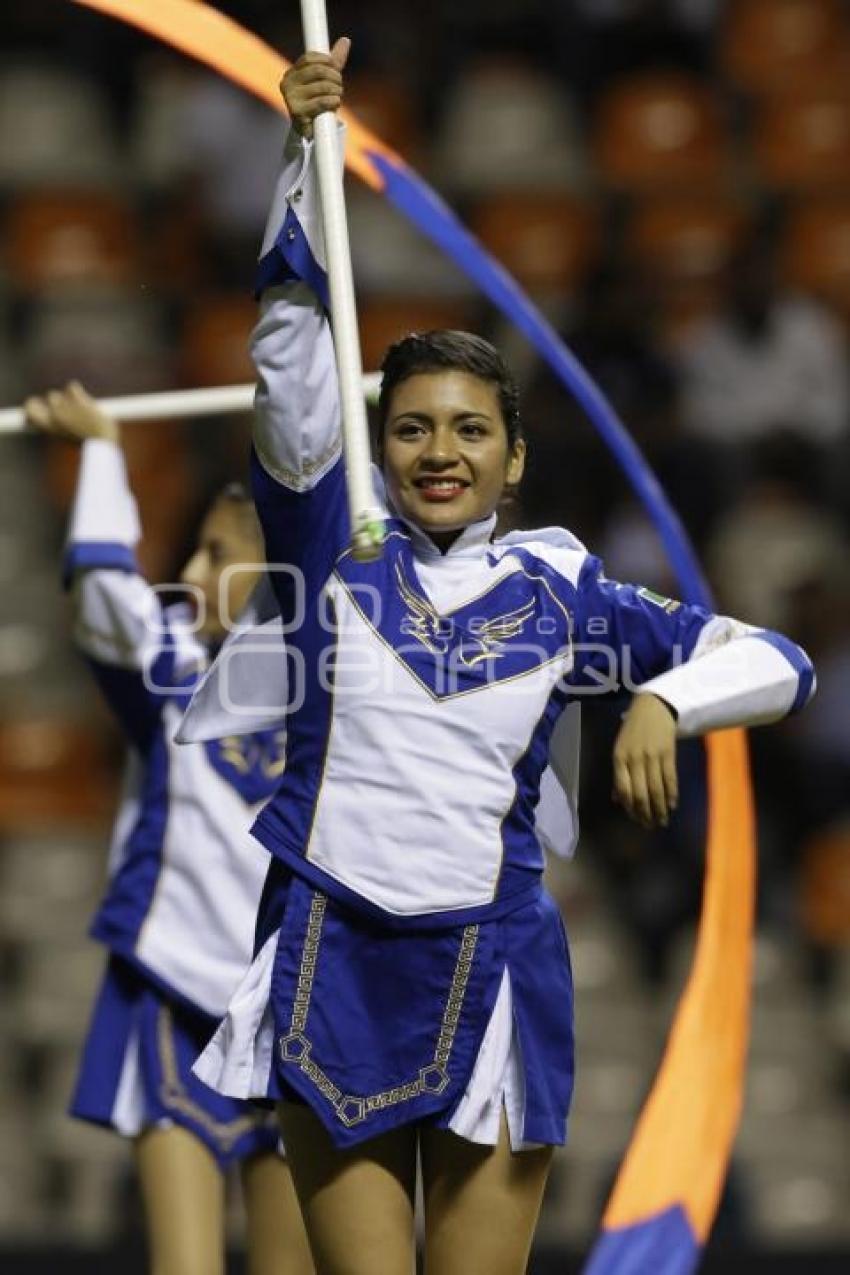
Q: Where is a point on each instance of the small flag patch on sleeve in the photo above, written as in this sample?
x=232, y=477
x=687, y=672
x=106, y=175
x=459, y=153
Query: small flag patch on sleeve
x=667, y=604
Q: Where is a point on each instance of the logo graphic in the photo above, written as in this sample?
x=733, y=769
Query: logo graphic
x=435, y=632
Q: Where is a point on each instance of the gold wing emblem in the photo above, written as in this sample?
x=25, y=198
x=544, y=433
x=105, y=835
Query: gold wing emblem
x=274, y=762
x=493, y=633
x=234, y=750
x=423, y=620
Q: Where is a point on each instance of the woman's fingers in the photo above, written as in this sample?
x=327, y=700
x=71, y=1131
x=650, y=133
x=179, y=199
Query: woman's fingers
x=622, y=784
x=58, y=403
x=340, y=52
x=645, y=786
x=318, y=73
x=657, y=790
x=646, y=750
x=37, y=412
x=71, y=414
x=641, y=806
x=314, y=85
x=337, y=57
x=671, y=778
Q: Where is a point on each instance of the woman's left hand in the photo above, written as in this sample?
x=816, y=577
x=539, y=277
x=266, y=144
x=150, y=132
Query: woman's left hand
x=645, y=780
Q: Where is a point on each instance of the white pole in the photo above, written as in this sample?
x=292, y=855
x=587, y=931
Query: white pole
x=215, y=401
x=367, y=528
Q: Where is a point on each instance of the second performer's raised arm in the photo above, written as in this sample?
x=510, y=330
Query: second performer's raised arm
x=119, y=624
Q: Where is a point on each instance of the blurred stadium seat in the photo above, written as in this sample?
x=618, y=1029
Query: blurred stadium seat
x=661, y=130
x=506, y=124
x=545, y=239
x=53, y=772
x=684, y=244
x=391, y=256
x=175, y=260
x=770, y=46
x=215, y=340
x=112, y=342
x=158, y=156
x=387, y=107
x=815, y=252
x=49, y=885
x=163, y=481
x=825, y=886
x=801, y=139
x=384, y=320
x=55, y=128
x=59, y=239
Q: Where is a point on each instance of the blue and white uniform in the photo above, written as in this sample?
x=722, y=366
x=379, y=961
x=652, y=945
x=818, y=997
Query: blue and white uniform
x=410, y=966
x=185, y=876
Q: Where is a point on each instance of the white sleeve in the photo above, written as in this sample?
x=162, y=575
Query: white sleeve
x=117, y=616
x=104, y=509
x=737, y=675
x=297, y=416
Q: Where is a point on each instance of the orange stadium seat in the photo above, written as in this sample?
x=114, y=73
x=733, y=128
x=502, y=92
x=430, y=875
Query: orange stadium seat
x=815, y=251
x=215, y=341
x=660, y=130
x=545, y=240
x=57, y=239
x=385, y=106
x=53, y=771
x=383, y=321
x=174, y=256
x=683, y=245
x=825, y=886
x=770, y=46
x=803, y=140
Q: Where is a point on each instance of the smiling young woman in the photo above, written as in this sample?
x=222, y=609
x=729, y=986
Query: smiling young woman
x=411, y=991
x=450, y=432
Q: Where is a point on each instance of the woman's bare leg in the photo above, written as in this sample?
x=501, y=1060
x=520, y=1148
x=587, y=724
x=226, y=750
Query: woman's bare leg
x=183, y=1194
x=277, y=1240
x=357, y=1204
x=481, y=1203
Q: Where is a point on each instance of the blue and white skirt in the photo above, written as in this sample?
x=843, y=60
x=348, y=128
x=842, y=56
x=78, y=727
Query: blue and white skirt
x=136, y=1071
x=375, y=1026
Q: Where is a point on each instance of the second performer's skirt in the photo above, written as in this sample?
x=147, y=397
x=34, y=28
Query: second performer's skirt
x=376, y=1026
x=136, y=1071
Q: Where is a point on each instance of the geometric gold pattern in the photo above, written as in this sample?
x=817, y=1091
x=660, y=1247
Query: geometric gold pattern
x=295, y=1047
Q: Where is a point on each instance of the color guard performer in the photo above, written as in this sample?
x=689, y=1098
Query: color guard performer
x=185, y=876
x=411, y=990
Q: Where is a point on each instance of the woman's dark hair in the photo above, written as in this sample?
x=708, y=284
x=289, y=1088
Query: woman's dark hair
x=444, y=350
x=236, y=493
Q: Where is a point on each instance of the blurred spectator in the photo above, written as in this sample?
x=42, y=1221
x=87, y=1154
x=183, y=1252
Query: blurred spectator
x=768, y=362
x=615, y=339
x=776, y=539
x=614, y=336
